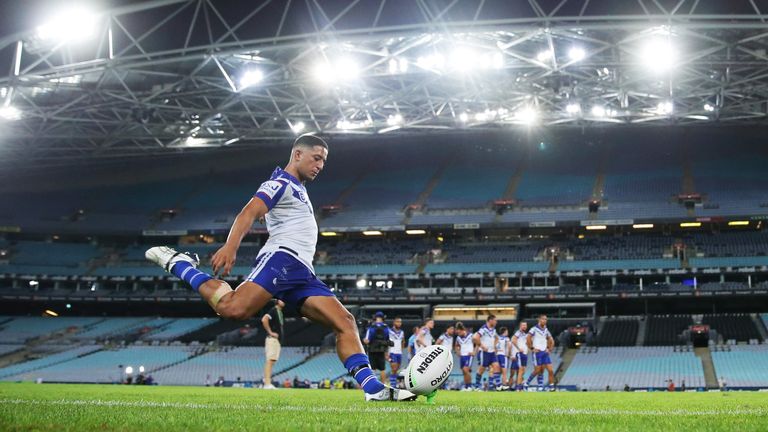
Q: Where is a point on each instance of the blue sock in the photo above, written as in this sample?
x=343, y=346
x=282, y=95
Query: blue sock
x=186, y=272
x=478, y=380
x=360, y=369
x=393, y=380
x=497, y=380
x=530, y=378
x=540, y=380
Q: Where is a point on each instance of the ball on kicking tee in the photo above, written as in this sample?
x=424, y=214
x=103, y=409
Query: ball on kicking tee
x=428, y=370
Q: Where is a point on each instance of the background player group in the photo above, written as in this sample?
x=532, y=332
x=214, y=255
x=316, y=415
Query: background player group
x=505, y=358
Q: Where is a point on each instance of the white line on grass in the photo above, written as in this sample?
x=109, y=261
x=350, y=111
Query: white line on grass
x=383, y=409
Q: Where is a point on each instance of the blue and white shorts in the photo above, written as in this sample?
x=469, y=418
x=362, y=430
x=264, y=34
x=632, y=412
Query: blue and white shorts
x=502, y=359
x=541, y=358
x=287, y=278
x=522, y=359
x=396, y=358
x=486, y=359
x=465, y=361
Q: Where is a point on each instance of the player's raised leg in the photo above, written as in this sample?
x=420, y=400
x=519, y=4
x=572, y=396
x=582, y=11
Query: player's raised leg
x=328, y=311
x=240, y=304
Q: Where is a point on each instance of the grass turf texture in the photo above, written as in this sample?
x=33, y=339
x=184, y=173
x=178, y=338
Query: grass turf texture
x=105, y=407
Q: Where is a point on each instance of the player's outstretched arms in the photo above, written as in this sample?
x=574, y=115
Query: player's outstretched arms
x=224, y=259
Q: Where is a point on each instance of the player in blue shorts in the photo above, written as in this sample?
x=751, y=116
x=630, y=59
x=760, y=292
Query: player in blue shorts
x=397, y=343
x=466, y=350
x=485, y=339
x=520, y=350
x=283, y=268
x=502, y=356
x=541, y=343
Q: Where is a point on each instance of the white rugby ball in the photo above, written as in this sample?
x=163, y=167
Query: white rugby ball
x=428, y=370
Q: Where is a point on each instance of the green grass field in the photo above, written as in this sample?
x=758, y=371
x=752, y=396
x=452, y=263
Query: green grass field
x=103, y=407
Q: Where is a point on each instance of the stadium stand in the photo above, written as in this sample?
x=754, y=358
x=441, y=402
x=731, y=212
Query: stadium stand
x=177, y=328
x=22, y=329
x=638, y=367
x=666, y=330
x=234, y=364
x=740, y=327
x=321, y=366
x=103, y=366
x=742, y=365
x=18, y=371
x=619, y=332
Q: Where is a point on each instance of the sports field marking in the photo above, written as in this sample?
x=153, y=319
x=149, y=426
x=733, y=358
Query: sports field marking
x=382, y=409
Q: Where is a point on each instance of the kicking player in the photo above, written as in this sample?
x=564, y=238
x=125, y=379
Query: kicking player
x=425, y=339
x=520, y=347
x=466, y=350
x=540, y=341
x=397, y=339
x=485, y=339
x=502, y=356
x=283, y=268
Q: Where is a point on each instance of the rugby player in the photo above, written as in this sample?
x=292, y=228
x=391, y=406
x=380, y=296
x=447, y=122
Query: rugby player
x=540, y=342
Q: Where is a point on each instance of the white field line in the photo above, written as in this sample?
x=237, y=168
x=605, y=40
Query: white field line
x=373, y=408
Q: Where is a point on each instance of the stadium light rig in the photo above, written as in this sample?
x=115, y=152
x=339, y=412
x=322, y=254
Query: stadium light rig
x=329, y=234
x=738, y=223
x=372, y=233
x=642, y=226
x=527, y=116
x=595, y=227
x=690, y=224
x=342, y=70
x=415, y=232
x=361, y=283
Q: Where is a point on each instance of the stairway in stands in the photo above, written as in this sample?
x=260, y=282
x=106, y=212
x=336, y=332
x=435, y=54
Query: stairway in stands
x=424, y=195
x=566, y=359
x=710, y=376
x=514, y=182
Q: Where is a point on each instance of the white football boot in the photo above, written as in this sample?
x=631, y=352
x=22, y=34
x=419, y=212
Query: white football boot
x=390, y=394
x=166, y=257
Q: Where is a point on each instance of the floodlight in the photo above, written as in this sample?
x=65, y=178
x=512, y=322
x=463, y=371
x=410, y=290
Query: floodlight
x=577, y=54
x=708, y=107
x=573, y=108
x=298, y=127
x=659, y=55
x=464, y=117
x=68, y=25
x=394, y=119
x=128, y=370
x=665, y=107
x=250, y=78
x=598, y=111
x=544, y=56
x=527, y=115
x=361, y=283
x=10, y=113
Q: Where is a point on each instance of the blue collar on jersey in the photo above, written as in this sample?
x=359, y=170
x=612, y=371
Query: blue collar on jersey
x=279, y=172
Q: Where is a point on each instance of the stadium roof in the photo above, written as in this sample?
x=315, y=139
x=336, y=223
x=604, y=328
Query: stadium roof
x=163, y=75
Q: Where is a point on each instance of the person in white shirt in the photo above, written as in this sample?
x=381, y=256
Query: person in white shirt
x=425, y=339
x=540, y=341
x=502, y=357
x=519, y=348
x=485, y=339
x=447, y=338
x=466, y=350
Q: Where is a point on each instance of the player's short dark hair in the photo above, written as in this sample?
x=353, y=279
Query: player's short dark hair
x=309, y=140
x=428, y=319
x=490, y=317
x=502, y=330
x=396, y=318
x=459, y=325
x=542, y=315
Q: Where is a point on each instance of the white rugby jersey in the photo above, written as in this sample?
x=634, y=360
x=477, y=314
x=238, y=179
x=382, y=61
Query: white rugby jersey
x=290, y=220
x=487, y=337
x=501, y=345
x=522, y=343
x=466, y=346
x=540, y=336
x=428, y=339
x=396, y=337
x=447, y=341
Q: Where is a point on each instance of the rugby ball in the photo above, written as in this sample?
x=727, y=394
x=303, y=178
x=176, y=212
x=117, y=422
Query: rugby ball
x=428, y=370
